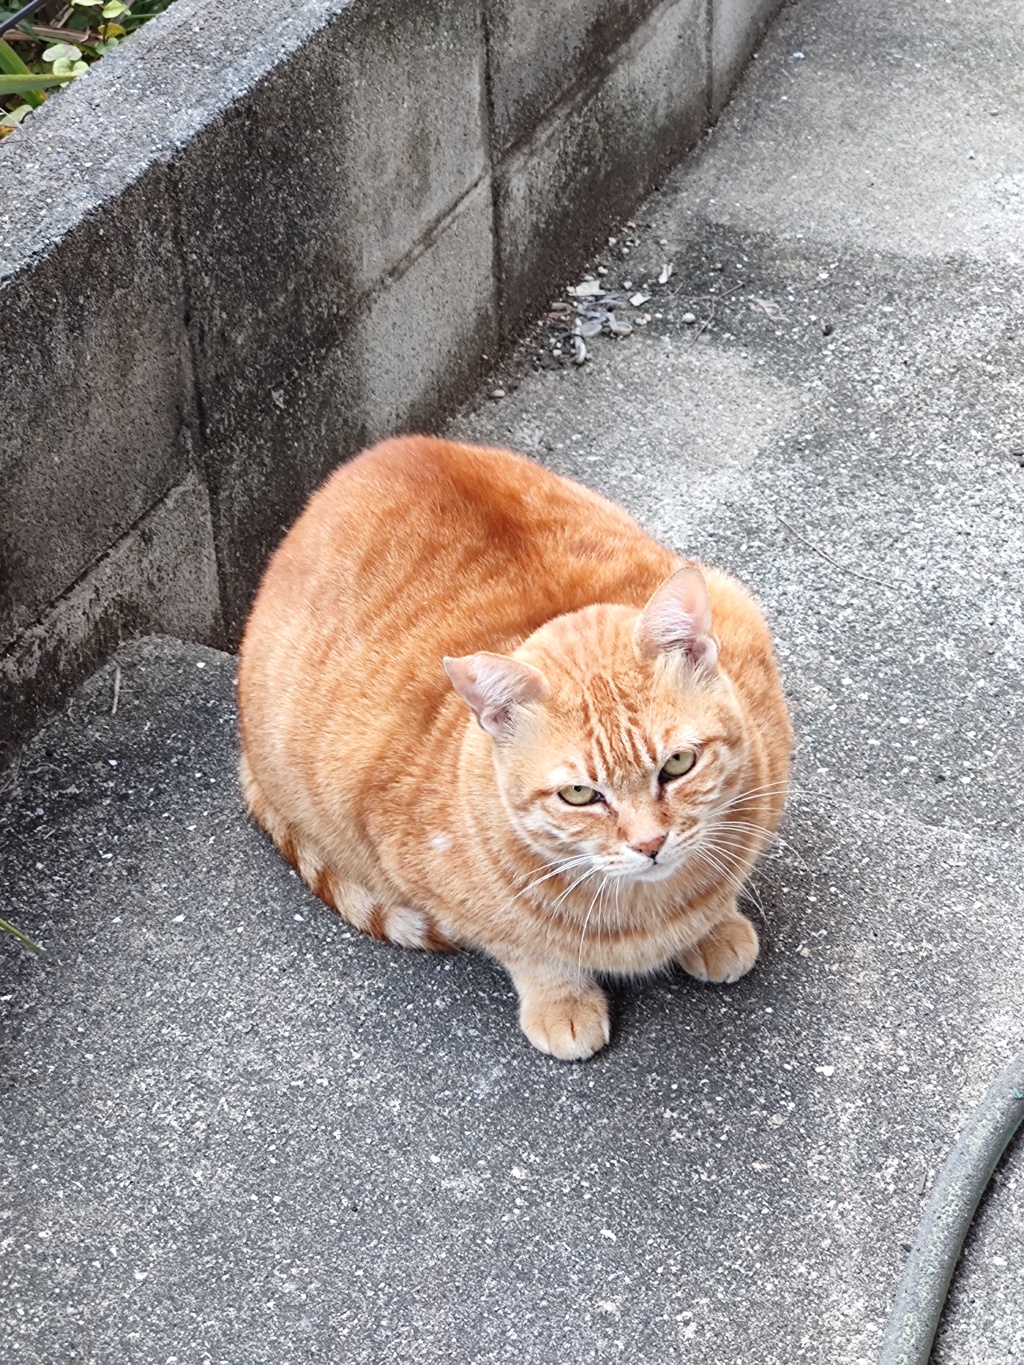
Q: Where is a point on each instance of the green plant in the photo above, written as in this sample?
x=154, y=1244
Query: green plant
x=24, y=939
x=57, y=44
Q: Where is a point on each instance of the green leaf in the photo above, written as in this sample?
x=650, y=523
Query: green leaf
x=113, y=8
x=12, y=65
x=22, y=938
x=15, y=116
x=87, y=4
x=63, y=67
x=62, y=52
x=10, y=62
x=28, y=85
x=107, y=46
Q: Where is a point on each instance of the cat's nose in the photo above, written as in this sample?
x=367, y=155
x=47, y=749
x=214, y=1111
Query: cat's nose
x=650, y=847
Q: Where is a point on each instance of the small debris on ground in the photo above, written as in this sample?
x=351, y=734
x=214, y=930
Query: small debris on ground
x=768, y=307
x=597, y=309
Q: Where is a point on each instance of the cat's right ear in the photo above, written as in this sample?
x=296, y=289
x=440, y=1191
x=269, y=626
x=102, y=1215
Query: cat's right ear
x=494, y=687
x=677, y=620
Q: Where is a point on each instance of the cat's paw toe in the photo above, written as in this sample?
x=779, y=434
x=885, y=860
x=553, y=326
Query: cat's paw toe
x=569, y=1027
x=726, y=954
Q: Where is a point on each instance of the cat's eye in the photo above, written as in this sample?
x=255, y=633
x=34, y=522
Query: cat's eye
x=579, y=795
x=677, y=764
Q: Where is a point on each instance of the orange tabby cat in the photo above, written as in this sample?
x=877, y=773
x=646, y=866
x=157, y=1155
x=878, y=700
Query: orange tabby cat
x=480, y=707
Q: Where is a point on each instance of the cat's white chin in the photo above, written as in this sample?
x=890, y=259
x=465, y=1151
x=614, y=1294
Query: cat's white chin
x=653, y=872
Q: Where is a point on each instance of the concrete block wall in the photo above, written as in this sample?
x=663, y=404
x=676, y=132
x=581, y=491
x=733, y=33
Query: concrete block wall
x=736, y=28
x=621, y=117
x=245, y=245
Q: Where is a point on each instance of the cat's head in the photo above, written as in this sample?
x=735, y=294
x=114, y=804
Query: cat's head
x=617, y=740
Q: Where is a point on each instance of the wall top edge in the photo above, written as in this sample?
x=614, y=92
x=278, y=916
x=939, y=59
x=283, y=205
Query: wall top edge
x=134, y=111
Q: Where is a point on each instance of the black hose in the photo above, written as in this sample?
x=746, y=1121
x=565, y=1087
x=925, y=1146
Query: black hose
x=951, y=1207
x=12, y=20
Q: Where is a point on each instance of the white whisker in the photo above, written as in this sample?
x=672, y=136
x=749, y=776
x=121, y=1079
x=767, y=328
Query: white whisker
x=583, y=932
x=577, y=882
x=562, y=868
x=743, y=883
x=721, y=860
x=765, y=793
x=753, y=828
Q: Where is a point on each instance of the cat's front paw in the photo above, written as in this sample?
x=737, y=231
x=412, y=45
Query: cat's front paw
x=726, y=953
x=571, y=1027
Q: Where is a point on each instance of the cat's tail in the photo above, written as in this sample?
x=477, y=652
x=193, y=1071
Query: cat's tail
x=390, y=923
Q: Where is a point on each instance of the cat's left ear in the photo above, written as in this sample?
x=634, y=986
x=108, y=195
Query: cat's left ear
x=495, y=687
x=677, y=620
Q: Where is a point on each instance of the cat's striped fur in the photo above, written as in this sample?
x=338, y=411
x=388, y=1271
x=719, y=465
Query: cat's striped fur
x=593, y=660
